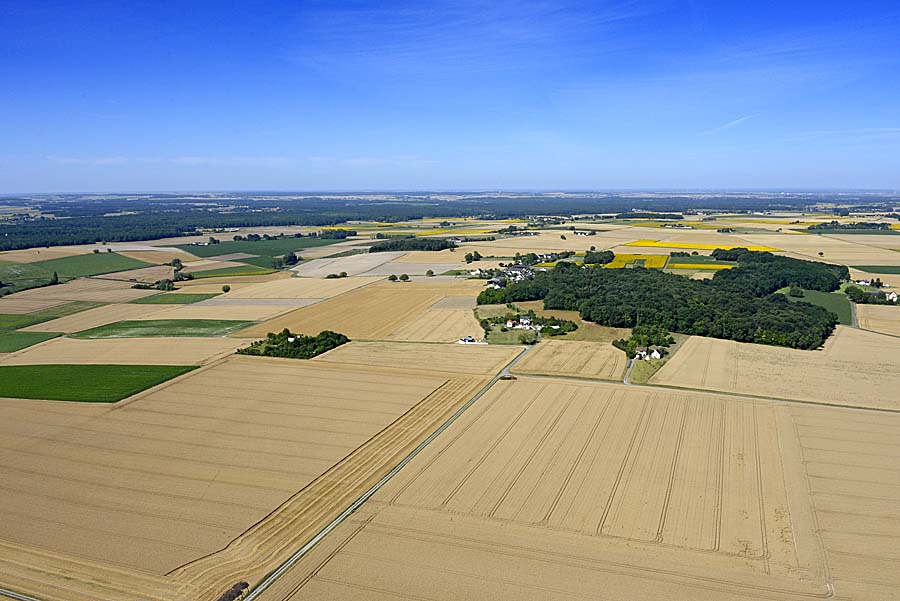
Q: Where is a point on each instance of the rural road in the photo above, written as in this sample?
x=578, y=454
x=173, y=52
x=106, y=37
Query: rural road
x=298, y=555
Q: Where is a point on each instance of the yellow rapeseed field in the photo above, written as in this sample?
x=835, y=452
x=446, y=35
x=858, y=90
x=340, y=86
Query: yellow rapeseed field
x=650, y=261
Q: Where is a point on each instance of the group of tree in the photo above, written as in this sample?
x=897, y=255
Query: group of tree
x=294, y=346
x=334, y=276
x=288, y=260
x=472, y=256
x=862, y=297
x=856, y=225
x=552, y=326
x=397, y=244
x=598, y=257
x=402, y=277
x=736, y=304
x=644, y=336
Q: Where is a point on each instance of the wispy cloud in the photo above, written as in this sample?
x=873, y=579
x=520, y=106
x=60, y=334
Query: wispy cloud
x=440, y=39
x=729, y=125
x=860, y=132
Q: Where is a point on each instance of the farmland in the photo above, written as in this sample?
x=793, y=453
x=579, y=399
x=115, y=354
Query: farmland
x=173, y=298
x=581, y=359
x=390, y=309
x=143, y=460
x=90, y=264
x=817, y=376
x=164, y=327
x=515, y=502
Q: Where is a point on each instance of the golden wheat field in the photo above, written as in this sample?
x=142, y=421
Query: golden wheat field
x=879, y=318
x=549, y=489
x=198, y=466
x=378, y=311
x=454, y=358
x=100, y=316
x=303, y=288
x=581, y=359
x=124, y=351
x=855, y=368
x=88, y=289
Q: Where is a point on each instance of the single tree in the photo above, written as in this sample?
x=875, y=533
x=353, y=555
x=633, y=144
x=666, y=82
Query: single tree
x=404, y=277
x=54, y=279
x=429, y=273
x=226, y=288
x=392, y=277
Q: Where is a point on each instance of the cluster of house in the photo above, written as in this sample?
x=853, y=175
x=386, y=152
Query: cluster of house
x=512, y=273
x=892, y=296
x=523, y=323
x=644, y=353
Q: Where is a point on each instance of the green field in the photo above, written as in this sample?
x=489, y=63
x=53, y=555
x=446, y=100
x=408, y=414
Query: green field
x=13, y=321
x=173, y=298
x=262, y=248
x=835, y=302
x=232, y=272
x=22, y=276
x=165, y=327
x=496, y=336
x=91, y=264
x=11, y=342
x=889, y=269
x=84, y=383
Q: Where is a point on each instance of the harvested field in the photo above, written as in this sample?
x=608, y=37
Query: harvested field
x=353, y=265
x=409, y=268
x=131, y=351
x=551, y=489
x=194, y=468
x=389, y=307
x=581, y=359
x=87, y=289
x=32, y=255
x=448, y=256
x=20, y=305
x=447, y=320
x=453, y=358
x=249, y=312
x=855, y=368
x=147, y=275
x=212, y=264
x=879, y=318
x=302, y=288
x=845, y=252
x=100, y=316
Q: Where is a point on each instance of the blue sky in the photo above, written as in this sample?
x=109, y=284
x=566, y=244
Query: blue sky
x=142, y=96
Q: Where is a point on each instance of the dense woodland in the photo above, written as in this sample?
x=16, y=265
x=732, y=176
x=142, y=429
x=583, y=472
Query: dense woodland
x=834, y=225
x=394, y=244
x=736, y=304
